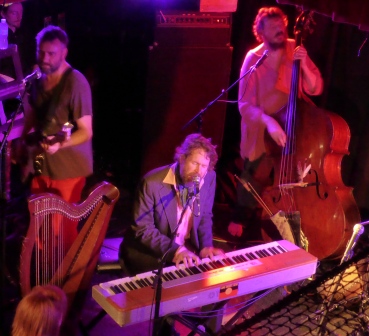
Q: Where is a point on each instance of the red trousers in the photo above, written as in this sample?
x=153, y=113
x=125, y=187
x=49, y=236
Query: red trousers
x=70, y=190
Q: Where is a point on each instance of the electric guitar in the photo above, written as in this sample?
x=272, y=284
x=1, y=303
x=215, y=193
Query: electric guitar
x=35, y=154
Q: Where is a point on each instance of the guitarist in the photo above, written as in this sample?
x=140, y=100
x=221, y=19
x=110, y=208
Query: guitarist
x=260, y=95
x=61, y=96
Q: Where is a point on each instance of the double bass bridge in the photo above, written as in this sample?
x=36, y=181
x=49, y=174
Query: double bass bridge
x=302, y=184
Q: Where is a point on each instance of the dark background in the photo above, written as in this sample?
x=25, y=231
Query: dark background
x=110, y=43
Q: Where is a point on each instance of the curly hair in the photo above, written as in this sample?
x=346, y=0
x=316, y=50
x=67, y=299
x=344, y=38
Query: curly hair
x=197, y=141
x=263, y=13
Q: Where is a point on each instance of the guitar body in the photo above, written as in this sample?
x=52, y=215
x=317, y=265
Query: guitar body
x=29, y=154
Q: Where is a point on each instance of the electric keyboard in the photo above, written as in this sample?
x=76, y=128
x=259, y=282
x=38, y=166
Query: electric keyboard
x=130, y=300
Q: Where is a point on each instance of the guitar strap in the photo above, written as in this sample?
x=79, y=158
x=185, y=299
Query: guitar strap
x=50, y=124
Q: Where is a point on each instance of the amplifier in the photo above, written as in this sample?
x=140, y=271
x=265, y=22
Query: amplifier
x=218, y=5
x=192, y=29
x=193, y=19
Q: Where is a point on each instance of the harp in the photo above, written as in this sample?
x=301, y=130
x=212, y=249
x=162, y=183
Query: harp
x=44, y=261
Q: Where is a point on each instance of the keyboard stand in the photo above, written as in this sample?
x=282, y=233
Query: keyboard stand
x=213, y=325
x=228, y=326
x=203, y=326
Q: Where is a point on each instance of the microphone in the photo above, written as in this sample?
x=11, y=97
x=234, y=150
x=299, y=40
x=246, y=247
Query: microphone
x=196, y=186
x=357, y=231
x=261, y=59
x=33, y=76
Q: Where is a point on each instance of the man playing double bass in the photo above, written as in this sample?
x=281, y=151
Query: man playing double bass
x=261, y=94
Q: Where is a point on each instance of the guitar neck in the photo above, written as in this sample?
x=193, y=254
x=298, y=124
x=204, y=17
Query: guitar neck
x=36, y=138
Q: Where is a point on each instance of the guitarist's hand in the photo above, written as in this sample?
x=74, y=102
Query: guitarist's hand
x=49, y=146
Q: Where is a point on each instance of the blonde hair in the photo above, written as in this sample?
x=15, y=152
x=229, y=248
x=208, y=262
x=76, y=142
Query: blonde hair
x=41, y=312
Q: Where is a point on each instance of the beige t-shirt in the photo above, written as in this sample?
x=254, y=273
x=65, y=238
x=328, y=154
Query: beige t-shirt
x=266, y=90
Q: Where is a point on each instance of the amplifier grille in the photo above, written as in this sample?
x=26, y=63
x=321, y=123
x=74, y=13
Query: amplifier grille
x=193, y=19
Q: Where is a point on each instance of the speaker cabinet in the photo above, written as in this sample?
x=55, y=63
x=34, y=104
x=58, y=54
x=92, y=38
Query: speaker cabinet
x=218, y=5
x=184, y=77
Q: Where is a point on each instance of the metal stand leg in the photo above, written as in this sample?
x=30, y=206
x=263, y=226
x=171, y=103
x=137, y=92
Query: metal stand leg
x=326, y=307
x=204, y=326
x=226, y=327
x=94, y=321
x=187, y=322
x=357, y=231
x=364, y=319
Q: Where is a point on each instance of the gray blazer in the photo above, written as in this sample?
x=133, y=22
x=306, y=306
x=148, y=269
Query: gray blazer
x=155, y=213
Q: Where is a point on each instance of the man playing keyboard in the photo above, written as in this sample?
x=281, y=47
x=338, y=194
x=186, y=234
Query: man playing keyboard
x=173, y=211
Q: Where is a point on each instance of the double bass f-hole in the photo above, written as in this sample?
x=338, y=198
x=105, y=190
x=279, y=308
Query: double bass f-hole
x=317, y=184
x=307, y=184
x=302, y=184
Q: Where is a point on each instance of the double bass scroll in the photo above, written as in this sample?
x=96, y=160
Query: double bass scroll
x=44, y=259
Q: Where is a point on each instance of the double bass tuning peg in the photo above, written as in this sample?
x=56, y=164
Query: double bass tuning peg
x=304, y=22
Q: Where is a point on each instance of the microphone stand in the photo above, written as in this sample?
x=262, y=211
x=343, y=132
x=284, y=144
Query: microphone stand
x=158, y=282
x=4, y=198
x=357, y=232
x=198, y=117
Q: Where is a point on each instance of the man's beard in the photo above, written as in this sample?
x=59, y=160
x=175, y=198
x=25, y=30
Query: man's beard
x=48, y=70
x=275, y=46
x=188, y=179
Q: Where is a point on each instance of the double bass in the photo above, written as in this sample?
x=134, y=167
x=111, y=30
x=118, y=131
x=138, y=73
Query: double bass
x=308, y=185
